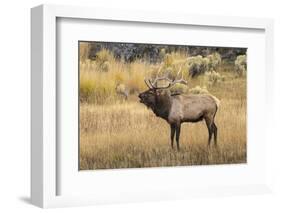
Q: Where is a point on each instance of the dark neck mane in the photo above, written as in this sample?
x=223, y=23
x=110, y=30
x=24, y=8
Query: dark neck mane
x=163, y=106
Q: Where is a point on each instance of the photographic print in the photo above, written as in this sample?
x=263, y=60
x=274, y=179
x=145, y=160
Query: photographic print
x=157, y=105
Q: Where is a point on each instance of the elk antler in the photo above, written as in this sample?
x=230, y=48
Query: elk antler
x=148, y=84
x=181, y=80
x=153, y=85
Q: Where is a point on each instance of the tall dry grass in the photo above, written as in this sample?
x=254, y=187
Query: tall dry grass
x=125, y=134
x=98, y=84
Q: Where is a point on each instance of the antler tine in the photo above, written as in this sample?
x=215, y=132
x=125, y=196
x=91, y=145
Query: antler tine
x=160, y=67
x=156, y=78
x=181, y=80
x=179, y=72
x=148, y=83
x=153, y=84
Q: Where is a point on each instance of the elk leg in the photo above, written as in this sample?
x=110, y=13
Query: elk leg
x=210, y=135
x=173, y=129
x=210, y=130
x=178, y=131
x=215, y=132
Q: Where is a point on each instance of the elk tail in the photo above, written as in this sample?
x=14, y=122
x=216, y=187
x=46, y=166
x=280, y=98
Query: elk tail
x=217, y=101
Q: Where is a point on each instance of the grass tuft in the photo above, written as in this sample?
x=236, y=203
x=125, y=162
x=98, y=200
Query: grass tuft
x=125, y=134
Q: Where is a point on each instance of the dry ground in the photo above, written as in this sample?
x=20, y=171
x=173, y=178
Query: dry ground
x=128, y=135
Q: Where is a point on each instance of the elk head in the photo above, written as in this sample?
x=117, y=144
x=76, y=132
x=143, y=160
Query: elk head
x=155, y=93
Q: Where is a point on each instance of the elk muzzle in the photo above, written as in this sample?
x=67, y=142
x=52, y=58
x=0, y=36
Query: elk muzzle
x=141, y=97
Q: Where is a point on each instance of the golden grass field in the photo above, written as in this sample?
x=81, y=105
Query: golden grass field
x=115, y=133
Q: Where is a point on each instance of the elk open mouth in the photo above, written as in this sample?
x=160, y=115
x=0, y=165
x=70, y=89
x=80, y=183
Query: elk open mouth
x=141, y=99
x=143, y=102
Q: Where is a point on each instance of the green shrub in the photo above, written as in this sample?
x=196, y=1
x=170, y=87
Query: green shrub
x=197, y=65
x=213, y=78
x=179, y=89
x=214, y=60
x=199, y=90
x=241, y=65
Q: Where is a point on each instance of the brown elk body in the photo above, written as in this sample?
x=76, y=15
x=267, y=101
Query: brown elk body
x=179, y=108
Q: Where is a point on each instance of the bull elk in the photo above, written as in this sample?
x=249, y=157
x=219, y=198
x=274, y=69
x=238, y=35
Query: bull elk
x=179, y=108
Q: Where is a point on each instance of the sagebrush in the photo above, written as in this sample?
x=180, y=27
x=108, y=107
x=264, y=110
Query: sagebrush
x=116, y=131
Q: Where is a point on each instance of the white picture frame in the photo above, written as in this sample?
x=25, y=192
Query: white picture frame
x=44, y=153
